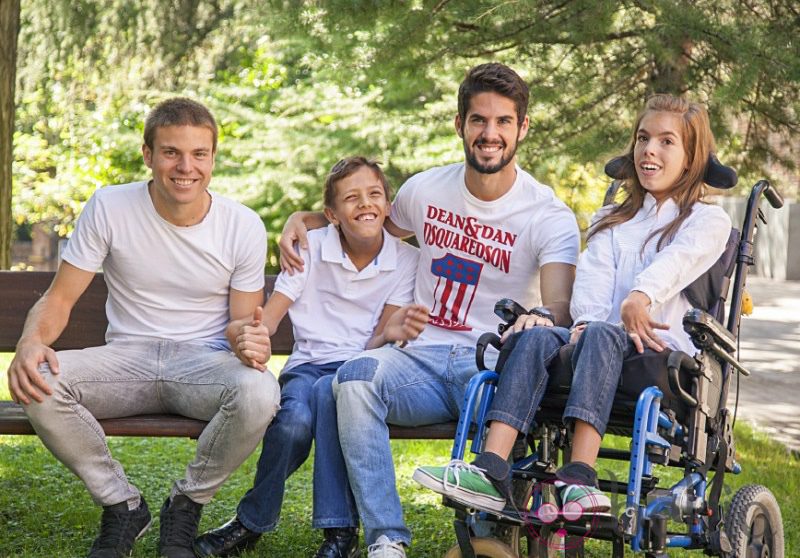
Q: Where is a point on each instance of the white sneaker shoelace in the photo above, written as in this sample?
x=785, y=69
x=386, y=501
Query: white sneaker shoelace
x=385, y=548
x=456, y=466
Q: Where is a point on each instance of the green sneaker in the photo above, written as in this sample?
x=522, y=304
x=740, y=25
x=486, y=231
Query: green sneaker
x=577, y=499
x=462, y=482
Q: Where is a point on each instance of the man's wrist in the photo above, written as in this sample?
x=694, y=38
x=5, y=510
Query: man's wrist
x=542, y=312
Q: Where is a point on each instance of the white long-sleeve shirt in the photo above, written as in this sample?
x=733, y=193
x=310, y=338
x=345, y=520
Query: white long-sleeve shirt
x=614, y=264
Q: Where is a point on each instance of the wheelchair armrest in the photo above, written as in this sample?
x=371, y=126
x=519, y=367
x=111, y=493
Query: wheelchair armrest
x=480, y=348
x=701, y=325
x=709, y=335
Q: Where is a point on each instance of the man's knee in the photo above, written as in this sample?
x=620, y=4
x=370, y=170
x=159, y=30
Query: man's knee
x=256, y=395
x=361, y=369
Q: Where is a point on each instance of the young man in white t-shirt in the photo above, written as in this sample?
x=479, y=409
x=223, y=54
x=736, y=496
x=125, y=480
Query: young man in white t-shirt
x=355, y=292
x=181, y=264
x=486, y=230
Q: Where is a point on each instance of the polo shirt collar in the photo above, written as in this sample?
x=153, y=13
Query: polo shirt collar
x=332, y=252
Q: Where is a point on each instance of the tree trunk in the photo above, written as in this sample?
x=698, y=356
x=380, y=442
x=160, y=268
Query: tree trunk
x=9, y=29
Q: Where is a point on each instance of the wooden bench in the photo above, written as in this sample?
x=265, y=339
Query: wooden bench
x=19, y=290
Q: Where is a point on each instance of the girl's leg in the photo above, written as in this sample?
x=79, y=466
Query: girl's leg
x=597, y=367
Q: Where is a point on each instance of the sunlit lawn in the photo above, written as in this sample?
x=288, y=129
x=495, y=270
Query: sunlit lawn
x=45, y=512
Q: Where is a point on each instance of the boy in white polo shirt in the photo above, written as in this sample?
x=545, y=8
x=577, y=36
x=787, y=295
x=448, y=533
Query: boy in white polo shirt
x=354, y=293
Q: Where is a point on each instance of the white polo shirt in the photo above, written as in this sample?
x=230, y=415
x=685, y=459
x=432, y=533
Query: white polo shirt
x=336, y=307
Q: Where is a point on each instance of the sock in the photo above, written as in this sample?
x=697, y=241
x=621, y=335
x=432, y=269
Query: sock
x=577, y=472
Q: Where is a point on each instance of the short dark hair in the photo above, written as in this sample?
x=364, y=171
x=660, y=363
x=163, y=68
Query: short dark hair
x=346, y=167
x=495, y=78
x=178, y=111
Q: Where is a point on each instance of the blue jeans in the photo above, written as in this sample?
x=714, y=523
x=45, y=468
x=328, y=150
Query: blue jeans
x=597, y=367
x=413, y=386
x=308, y=412
x=524, y=377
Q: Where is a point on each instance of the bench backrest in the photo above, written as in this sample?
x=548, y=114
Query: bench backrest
x=19, y=290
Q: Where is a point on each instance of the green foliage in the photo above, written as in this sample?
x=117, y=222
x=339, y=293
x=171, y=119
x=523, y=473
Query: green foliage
x=297, y=85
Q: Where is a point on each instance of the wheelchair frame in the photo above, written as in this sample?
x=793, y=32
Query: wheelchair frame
x=703, y=444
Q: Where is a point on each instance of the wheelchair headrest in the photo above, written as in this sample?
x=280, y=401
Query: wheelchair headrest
x=716, y=174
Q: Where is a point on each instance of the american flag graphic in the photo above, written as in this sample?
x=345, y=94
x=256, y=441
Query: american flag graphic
x=454, y=292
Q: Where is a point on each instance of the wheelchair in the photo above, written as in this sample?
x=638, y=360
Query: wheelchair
x=672, y=405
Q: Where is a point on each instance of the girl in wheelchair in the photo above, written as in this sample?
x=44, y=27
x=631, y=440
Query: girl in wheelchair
x=627, y=299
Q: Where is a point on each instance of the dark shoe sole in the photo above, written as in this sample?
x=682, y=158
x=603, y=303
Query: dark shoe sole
x=235, y=552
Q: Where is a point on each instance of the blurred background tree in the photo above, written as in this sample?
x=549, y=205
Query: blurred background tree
x=297, y=85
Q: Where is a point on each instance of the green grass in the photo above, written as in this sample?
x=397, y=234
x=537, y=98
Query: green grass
x=45, y=511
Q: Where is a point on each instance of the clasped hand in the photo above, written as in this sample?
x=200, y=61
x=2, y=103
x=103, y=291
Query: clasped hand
x=250, y=340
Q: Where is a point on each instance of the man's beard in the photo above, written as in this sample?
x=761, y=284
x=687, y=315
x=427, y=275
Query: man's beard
x=472, y=160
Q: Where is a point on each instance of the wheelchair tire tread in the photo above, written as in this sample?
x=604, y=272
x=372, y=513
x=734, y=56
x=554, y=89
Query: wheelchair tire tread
x=748, y=503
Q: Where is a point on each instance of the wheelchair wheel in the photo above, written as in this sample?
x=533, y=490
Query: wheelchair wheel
x=754, y=524
x=485, y=548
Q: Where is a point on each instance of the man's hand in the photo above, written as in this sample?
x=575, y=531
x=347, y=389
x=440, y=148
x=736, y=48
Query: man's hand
x=24, y=379
x=406, y=324
x=294, y=232
x=526, y=321
x=640, y=326
x=252, y=345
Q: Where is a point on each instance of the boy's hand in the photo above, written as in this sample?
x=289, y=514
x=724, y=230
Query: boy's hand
x=294, y=231
x=406, y=324
x=253, y=346
x=24, y=379
x=640, y=326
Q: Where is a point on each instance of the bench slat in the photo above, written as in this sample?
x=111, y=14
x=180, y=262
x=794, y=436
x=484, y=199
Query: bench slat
x=13, y=421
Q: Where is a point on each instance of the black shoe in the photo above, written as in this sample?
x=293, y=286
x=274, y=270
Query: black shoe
x=179, y=520
x=339, y=543
x=119, y=529
x=231, y=539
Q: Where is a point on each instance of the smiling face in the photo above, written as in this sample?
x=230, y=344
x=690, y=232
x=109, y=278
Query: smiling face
x=659, y=154
x=490, y=132
x=182, y=159
x=359, y=207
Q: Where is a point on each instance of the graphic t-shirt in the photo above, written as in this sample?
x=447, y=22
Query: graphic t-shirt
x=474, y=252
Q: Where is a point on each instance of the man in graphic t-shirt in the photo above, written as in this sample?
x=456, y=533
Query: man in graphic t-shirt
x=486, y=230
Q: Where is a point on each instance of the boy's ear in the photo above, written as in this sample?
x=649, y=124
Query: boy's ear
x=331, y=216
x=457, y=124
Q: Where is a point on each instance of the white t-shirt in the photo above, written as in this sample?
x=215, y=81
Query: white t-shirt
x=614, y=264
x=336, y=307
x=474, y=252
x=164, y=280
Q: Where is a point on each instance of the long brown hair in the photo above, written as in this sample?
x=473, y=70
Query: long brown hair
x=698, y=143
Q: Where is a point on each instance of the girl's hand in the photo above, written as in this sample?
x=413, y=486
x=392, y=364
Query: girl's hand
x=640, y=326
x=575, y=333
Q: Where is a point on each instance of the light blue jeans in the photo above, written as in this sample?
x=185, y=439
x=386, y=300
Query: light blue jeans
x=414, y=386
x=150, y=376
